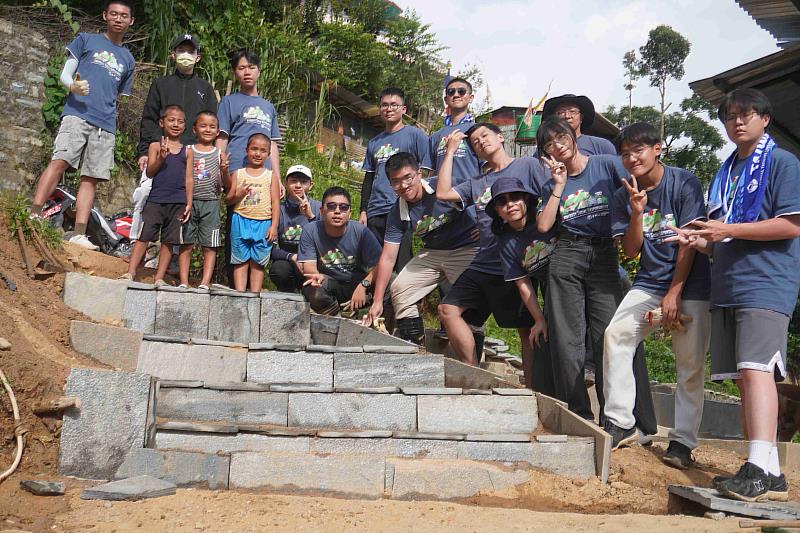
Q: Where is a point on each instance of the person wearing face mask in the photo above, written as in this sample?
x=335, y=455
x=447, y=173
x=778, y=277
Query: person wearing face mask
x=184, y=88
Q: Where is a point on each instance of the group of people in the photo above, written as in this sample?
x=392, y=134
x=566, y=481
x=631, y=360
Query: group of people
x=532, y=241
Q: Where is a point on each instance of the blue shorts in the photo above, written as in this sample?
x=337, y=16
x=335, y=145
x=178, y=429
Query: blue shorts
x=249, y=240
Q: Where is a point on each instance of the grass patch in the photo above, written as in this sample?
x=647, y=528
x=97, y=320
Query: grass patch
x=15, y=209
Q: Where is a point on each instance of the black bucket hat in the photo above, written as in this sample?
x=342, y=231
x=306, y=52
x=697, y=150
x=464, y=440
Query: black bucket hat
x=502, y=186
x=581, y=102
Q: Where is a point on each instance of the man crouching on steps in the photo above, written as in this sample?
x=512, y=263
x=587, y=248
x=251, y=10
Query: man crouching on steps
x=448, y=234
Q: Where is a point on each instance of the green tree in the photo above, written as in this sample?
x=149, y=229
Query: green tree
x=632, y=73
x=350, y=55
x=661, y=59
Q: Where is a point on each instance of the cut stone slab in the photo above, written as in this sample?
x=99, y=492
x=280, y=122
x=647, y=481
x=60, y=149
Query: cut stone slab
x=327, y=348
x=98, y=298
x=139, y=312
x=290, y=367
x=499, y=437
x=512, y=392
x=237, y=385
x=284, y=321
x=182, y=314
x=458, y=374
x=227, y=406
x=342, y=476
x=234, y=319
x=442, y=391
x=285, y=296
x=179, y=384
x=174, y=425
x=369, y=390
x=210, y=342
x=324, y=329
x=711, y=499
x=408, y=348
x=275, y=347
x=450, y=480
x=374, y=434
x=132, y=489
x=184, y=469
x=377, y=370
x=482, y=392
x=352, y=333
x=111, y=421
x=551, y=438
x=353, y=411
x=385, y=447
x=117, y=347
x=299, y=387
x=574, y=458
x=477, y=414
x=195, y=362
x=427, y=436
x=43, y=488
x=242, y=442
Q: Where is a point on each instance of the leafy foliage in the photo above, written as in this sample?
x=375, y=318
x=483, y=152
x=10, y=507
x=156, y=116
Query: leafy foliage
x=15, y=209
x=55, y=94
x=350, y=55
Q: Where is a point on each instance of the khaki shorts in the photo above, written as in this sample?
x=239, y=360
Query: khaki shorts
x=77, y=139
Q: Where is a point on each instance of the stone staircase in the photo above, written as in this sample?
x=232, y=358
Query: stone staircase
x=230, y=390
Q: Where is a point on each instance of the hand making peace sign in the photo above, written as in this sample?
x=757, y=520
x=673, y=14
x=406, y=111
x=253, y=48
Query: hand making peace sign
x=637, y=198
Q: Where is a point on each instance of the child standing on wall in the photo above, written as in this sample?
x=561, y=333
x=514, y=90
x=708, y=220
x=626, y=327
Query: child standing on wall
x=168, y=205
x=254, y=226
x=206, y=171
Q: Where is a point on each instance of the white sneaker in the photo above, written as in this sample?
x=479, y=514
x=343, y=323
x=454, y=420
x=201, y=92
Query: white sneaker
x=83, y=241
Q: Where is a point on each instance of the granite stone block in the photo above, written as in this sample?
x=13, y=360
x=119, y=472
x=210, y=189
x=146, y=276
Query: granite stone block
x=139, y=312
x=352, y=333
x=324, y=329
x=284, y=321
x=98, y=298
x=451, y=480
x=183, y=468
x=290, y=367
x=385, y=447
x=182, y=314
x=380, y=370
x=131, y=489
x=111, y=421
x=477, y=414
x=117, y=347
x=242, y=442
x=353, y=411
x=226, y=406
x=234, y=319
x=196, y=362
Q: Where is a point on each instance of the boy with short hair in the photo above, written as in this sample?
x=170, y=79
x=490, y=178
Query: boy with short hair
x=336, y=254
x=754, y=210
x=103, y=69
x=657, y=198
x=168, y=206
x=458, y=95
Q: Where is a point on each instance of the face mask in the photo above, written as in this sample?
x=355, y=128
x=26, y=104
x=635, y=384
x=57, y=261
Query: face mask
x=185, y=61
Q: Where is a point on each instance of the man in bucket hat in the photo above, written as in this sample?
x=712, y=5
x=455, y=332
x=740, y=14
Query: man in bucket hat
x=578, y=111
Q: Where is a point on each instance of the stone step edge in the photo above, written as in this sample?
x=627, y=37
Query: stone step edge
x=249, y=386
x=170, y=425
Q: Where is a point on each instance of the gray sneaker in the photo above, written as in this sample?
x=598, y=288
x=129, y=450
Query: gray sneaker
x=678, y=455
x=620, y=437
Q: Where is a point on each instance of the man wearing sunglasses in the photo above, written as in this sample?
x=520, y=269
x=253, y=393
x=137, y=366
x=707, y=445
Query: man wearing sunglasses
x=458, y=97
x=377, y=196
x=335, y=254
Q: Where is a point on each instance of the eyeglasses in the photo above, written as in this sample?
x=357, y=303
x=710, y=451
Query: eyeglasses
x=507, y=198
x=118, y=15
x=460, y=90
x=400, y=182
x=332, y=206
x=561, y=139
x=568, y=113
x=744, y=117
x=393, y=107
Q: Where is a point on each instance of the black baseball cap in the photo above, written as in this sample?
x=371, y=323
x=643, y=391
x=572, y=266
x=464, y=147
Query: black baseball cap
x=185, y=38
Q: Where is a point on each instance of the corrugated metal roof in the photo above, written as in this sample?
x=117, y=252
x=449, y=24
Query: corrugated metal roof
x=781, y=18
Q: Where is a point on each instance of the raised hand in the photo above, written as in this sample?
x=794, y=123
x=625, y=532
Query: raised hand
x=558, y=170
x=315, y=280
x=454, y=141
x=305, y=207
x=79, y=86
x=163, y=149
x=637, y=198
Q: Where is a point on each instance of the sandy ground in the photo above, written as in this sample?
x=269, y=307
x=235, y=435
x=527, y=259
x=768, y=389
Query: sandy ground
x=36, y=322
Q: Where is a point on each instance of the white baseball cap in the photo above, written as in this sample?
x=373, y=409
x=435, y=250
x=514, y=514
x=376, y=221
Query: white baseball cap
x=299, y=169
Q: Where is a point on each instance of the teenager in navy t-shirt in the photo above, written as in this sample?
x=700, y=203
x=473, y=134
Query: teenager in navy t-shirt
x=675, y=280
x=458, y=97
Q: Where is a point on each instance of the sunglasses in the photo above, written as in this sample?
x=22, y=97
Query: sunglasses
x=331, y=206
x=507, y=198
x=460, y=90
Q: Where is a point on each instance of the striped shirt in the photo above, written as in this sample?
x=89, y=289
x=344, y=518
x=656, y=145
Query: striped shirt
x=206, y=174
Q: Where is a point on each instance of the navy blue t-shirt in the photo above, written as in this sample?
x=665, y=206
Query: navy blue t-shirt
x=586, y=200
x=379, y=149
x=292, y=222
x=524, y=253
x=169, y=183
x=676, y=201
x=763, y=274
x=346, y=258
x=465, y=162
x=477, y=191
x=440, y=225
x=241, y=116
x=591, y=145
x=109, y=70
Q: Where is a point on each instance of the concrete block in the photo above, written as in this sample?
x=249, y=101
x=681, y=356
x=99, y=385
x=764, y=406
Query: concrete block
x=184, y=469
x=192, y=361
x=233, y=319
x=324, y=329
x=226, y=406
x=342, y=476
x=353, y=411
x=378, y=370
x=98, y=298
x=112, y=420
x=352, y=333
x=182, y=314
x=285, y=321
x=131, y=489
x=451, y=480
x=477, y=414
x=242, y=442
x=290, y=367
x=139, y=312
x=117, y=347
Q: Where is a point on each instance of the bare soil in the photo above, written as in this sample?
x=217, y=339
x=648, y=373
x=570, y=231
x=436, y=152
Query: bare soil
x=36, y=322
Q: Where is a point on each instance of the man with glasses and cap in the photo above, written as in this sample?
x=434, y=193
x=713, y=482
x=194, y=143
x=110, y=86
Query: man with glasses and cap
x=578, y=111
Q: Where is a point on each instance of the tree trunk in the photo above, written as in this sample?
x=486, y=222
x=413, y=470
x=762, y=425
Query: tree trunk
x=662, y=89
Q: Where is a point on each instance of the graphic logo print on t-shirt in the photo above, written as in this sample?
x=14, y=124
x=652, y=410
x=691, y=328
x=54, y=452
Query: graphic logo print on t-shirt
x=461, y=151
x=655, y=226
x=385, y=152
x=483, y=199
x=535, y=253
x=256, y=115
x=293, y=233
x=200, y=172
x=428, y=223
x=584, y=204
x=336, y=260
x=108, y=61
